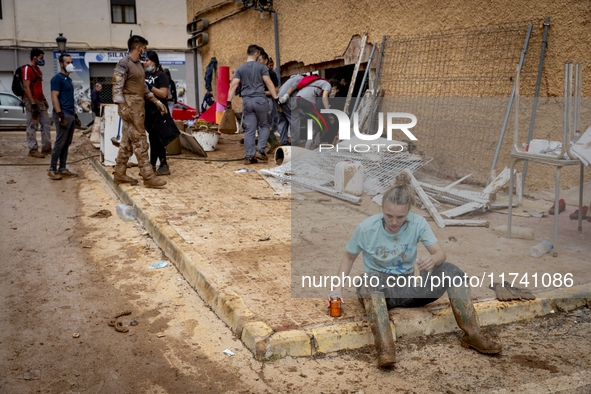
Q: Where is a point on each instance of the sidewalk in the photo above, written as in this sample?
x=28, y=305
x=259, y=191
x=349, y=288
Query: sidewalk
x=208, y=224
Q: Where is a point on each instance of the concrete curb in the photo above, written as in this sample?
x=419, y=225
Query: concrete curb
x=264, y=343
x=225, y=303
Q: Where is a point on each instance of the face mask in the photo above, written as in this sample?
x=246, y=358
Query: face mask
x=41, y=62
x=150, y=69
x=143, y=55
x=70, y=68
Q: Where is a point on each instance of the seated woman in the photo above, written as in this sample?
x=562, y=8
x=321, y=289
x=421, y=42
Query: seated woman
x=158, y=84
x=389, y=244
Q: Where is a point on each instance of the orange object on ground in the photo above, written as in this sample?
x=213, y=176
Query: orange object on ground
x=335, y=306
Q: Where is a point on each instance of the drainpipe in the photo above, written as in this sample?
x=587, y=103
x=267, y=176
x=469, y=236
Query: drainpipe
x=277, y=61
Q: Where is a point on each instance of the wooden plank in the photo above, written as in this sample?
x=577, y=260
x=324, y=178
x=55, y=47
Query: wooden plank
x=465, y=196
x=497, y=183
x=457, y=182
x=426, y=201
x=355, y=71
x=467, y=223
x=462, y=210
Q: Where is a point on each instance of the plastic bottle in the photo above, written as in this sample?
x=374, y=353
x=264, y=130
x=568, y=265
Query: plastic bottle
x=541, y=249
x=126, y=212
x=576, y=137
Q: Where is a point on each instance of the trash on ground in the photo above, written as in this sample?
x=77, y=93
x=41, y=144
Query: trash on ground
x=535, y=213
x=126, y=212
x=76, y=335
x=228, y=352
x=10, y=182
x=541, y=249
x=160, y=336
x=161, y=264
x=582, y=148
x=242, y=170
x=102, y=214
x=268, y=237
x=516, y=232
x=133, y=323
x=506, y=292
x=117, y=325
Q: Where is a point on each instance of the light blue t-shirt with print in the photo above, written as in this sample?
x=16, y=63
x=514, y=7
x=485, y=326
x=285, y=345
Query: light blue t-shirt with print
x=390, y=253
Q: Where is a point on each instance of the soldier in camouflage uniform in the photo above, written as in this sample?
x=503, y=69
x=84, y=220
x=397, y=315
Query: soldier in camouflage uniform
x=130, y=92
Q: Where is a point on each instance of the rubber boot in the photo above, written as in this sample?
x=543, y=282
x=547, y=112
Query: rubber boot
x=273, y=143
x=460, y=299
x=377, y=313
x=120, y=176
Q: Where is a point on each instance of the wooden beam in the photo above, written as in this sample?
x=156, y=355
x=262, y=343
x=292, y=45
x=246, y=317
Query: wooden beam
x=355, y=71
x=426, y=201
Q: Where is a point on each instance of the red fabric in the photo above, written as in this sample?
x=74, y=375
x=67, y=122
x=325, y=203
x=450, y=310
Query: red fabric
x=307, y=80
x=37, y=87
x=209, y=115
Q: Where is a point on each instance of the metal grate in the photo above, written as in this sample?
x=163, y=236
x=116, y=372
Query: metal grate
x=317, y=169
x=457, y=84
x=106, y=93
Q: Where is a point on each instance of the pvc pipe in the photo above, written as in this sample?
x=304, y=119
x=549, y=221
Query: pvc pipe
x=285, y=154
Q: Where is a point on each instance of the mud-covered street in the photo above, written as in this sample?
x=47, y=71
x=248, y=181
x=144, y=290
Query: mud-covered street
x=65, y=275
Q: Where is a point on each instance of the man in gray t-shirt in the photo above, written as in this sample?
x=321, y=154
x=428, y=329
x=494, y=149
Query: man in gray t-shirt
x=317, y=88
x=307, y=98
x=287, y=95
x=254, y=77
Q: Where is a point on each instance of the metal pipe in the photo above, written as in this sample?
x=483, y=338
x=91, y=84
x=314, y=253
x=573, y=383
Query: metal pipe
x=516, y=113
x=508, y=112
x=556, y=211
x=196, y=73
x=581, y=183
x=578, y=97
x=15, y=41
x=536, y=94
x=565, y=101
x=364, y=77
x=277, y=61
x=375, y=87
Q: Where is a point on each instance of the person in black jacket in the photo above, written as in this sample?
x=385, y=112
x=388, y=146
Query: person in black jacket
x=158, y=83
x=172, y=97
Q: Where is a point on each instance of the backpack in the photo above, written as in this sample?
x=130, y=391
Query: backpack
x=17, y=81
x=308, y=80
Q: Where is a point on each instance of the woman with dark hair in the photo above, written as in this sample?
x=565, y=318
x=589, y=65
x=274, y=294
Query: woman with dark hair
x=158, y=84
x=172, y=97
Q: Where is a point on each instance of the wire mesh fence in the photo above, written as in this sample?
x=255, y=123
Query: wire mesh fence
x=316, y=170
x=458, y=85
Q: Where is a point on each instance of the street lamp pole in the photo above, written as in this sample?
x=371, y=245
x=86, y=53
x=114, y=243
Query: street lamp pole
x=61, y=43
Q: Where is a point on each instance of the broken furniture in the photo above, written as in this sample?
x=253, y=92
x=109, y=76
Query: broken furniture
x=571, y=110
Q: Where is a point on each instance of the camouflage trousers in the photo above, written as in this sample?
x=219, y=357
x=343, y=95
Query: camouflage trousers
x=133, y=137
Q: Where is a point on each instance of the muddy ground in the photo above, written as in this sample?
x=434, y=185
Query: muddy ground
x=64, y=275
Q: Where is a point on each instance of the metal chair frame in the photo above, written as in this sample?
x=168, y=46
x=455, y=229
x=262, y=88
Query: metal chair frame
x=572, y=110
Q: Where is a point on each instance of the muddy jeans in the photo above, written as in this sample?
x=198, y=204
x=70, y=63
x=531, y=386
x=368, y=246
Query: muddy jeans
x=63, y=139
x=402, y=292
x=133, y=137
x=255, y=112
x=33, y=123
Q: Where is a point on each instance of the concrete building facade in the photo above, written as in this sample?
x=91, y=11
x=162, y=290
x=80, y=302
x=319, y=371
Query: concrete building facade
x=315, y=35
x=97, y=33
